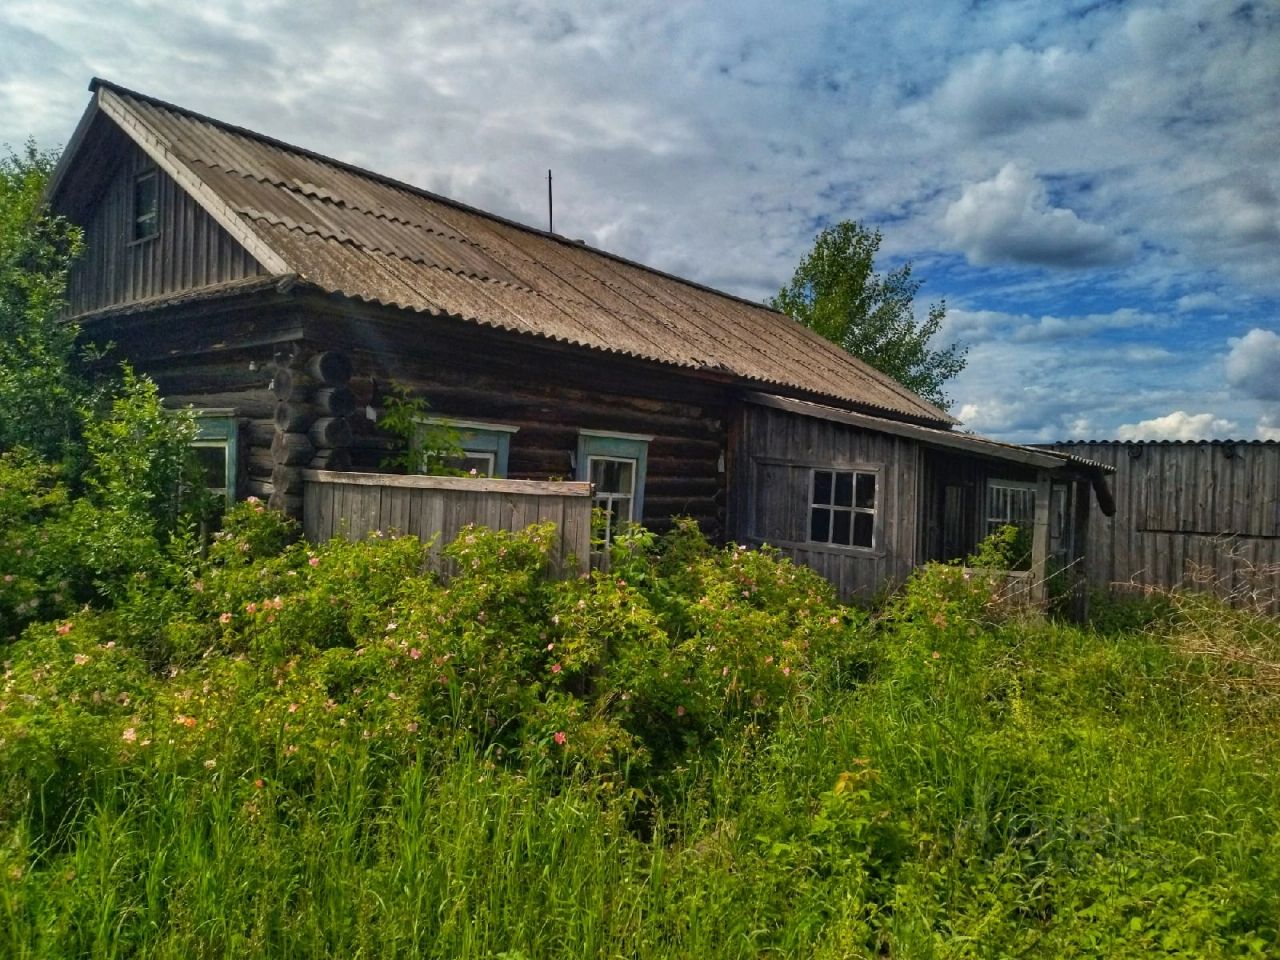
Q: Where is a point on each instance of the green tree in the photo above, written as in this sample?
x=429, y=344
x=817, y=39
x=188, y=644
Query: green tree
x=41, y=392
x=837, y=293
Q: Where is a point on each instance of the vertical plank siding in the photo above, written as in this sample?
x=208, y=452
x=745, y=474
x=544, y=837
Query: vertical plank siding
x=436, y=509
x=1199, y=515
x=772, y=468
x=190, y=250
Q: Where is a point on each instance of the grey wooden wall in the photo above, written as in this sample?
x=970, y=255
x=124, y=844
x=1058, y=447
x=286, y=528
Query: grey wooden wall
x=190, y=251
x=354, y=505
x=1187, y=506
x=773, y=456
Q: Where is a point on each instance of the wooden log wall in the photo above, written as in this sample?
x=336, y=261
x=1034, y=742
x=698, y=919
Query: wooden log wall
x=312, y=426
x=776, y=453
x=190, y=251
x=1198, y=515
x=355, y=505
x=550, y=395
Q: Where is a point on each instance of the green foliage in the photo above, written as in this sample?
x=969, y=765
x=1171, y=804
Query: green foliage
x=837, y=293
x=58, y=550
x=290, y=749
x=428, y=447
x=40, y=390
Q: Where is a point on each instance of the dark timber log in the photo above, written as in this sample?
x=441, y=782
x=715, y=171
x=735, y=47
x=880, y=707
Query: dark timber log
x=287, y=479
x=291, y=385
x=339, y=459
x=294, y=417
x=260, y=432
x=330, y=367
x=258, y=462
x=330, y=432
x=288, y=503
x=292, y=448
x=336, y=401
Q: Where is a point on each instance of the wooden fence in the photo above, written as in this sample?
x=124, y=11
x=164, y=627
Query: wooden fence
x=1199, y=515
x=354, y=505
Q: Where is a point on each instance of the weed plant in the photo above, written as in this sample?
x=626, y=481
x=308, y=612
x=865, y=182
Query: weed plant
x=284, y=750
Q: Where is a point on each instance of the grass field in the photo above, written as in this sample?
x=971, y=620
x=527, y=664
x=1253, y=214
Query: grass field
x=698, y=755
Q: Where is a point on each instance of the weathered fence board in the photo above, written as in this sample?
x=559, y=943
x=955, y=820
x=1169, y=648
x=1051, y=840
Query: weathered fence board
x=1203, y=515
x=354, y=505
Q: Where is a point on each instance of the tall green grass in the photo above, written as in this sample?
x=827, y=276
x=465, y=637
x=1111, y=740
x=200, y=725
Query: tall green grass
x=978, y=786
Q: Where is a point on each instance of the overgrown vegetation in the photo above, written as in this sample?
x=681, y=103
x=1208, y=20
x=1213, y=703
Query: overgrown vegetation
x=288, y=750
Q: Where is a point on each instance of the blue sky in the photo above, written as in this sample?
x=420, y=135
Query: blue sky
x=1094, y=188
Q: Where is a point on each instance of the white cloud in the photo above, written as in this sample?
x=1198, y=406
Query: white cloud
x=1178, y=425
x=1253, y=364
x=1008, y=219
x=1200, y=301
x=1269, y=427
x=994, y=93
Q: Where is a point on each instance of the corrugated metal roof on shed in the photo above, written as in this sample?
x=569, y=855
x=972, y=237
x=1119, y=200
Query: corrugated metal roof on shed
x=356, y=234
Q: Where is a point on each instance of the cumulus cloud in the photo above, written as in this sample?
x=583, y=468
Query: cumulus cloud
x=1008, y=219
x=994, y=93
x=1269, y=428
x=1178, y=425
x=1253, y=364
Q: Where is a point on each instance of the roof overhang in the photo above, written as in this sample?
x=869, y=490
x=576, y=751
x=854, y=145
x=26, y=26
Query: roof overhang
x=969, y=443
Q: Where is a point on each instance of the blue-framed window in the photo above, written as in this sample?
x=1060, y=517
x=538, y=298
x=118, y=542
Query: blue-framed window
x=486, y=447
x=215, y=446
x=616, y=464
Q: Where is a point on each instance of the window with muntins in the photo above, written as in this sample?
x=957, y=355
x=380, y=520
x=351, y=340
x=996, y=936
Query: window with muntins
x=842, y=508
x=1010, y=503
x=615, y=463
x=146, y=205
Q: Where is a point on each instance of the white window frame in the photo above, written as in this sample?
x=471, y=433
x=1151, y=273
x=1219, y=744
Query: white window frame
x=1025, y=488
x=852, y=510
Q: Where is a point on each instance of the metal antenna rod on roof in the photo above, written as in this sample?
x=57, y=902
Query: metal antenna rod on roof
x=550, y=218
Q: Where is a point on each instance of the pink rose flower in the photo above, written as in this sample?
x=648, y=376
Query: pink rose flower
x=64, y=629
x=225, y=618
x=559, y=737
x=556, y=668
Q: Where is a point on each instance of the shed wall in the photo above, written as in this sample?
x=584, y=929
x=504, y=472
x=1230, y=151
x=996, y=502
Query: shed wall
x=775, y=452
x=1186, y=507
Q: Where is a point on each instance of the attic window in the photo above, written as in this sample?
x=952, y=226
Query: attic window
x=146, y=205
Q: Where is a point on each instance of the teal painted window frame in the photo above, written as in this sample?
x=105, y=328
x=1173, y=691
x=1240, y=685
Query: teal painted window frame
x=480, y=437
x=221, y=428
x=617, y=446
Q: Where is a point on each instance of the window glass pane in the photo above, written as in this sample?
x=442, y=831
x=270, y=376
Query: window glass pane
x=866, y=491
x=840, y=525
x=863, y=526
x=144, y=207
x=820, y=525
x=844, y=490
x=212, y=460
x=621, y=511
x=612, y=476
x=822, y=486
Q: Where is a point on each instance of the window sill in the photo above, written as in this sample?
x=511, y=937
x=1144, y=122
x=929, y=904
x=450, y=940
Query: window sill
x=863, y=553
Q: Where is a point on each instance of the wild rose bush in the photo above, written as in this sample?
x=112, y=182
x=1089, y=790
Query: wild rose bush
x=266, y=656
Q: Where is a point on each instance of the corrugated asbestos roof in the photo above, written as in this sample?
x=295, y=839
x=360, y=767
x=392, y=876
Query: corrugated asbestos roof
x=356, y=234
